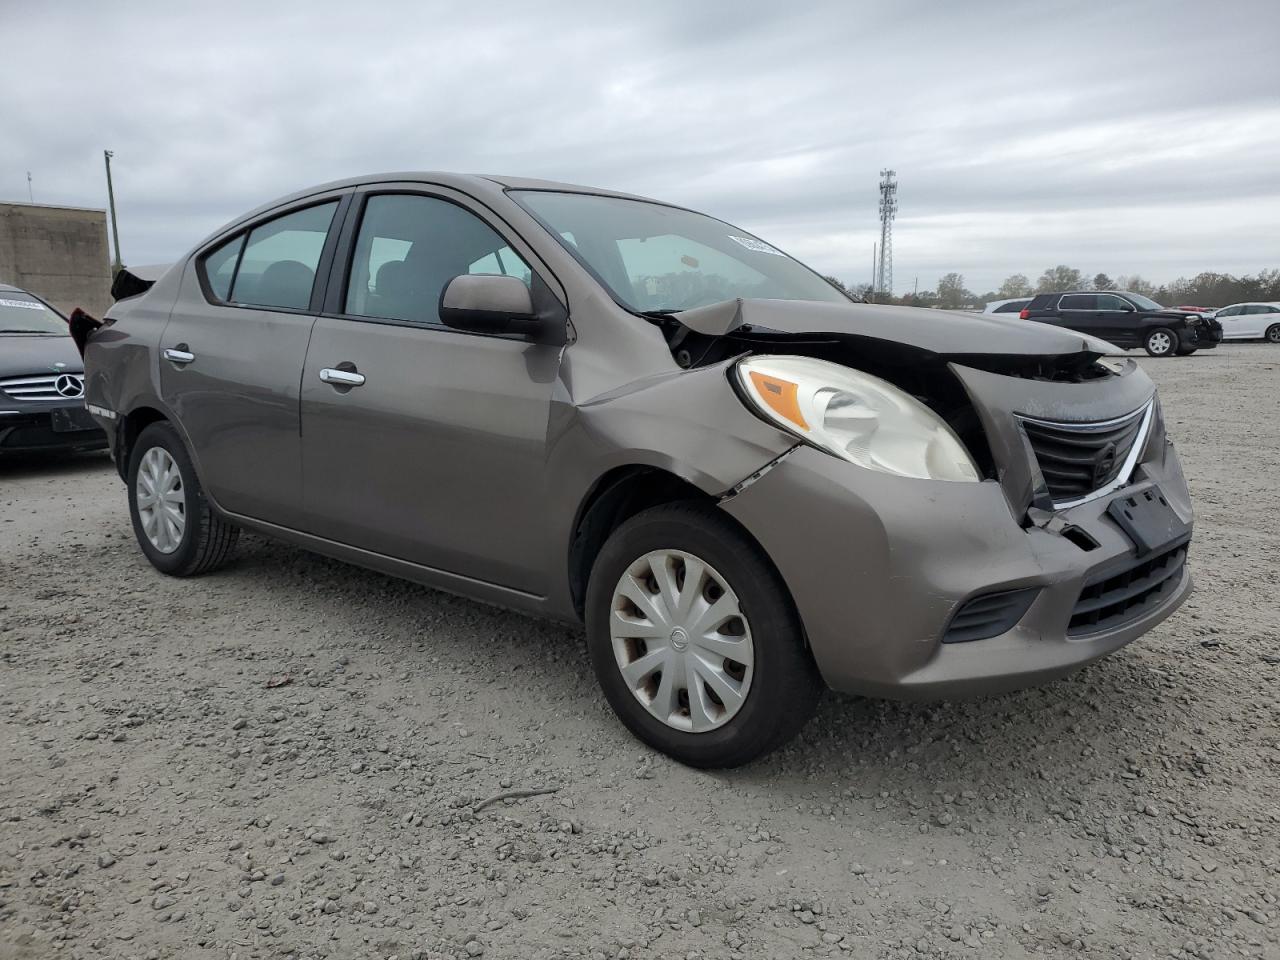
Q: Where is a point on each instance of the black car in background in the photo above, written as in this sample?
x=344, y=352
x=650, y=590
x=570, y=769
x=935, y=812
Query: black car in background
x=1127, y=320
x=41, y=380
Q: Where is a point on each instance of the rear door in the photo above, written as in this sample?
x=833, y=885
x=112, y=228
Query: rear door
x=232, y=353
x=436, y=456
x=1079, y=311
x=1258, y=317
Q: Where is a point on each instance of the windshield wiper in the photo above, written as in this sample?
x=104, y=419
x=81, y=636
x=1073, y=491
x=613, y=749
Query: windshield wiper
x=46, y=333
x=664, y=312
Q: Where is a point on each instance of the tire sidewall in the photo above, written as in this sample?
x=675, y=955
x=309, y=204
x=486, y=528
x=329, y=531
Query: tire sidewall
x=164, y=436
x=775, y=632
x=1173, y=342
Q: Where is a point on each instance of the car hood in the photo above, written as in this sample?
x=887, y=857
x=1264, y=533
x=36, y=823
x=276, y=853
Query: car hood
x=21, y=355
x=943, y=332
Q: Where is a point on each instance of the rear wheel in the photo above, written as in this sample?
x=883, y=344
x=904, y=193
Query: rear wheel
x=1161, y=342
x=695, y=640
x=172, y=520
x=1273, y=333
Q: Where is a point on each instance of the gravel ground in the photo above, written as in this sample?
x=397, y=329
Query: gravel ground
x=163, y=797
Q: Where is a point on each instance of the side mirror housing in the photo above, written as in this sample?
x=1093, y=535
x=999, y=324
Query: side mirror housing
x=488, y=303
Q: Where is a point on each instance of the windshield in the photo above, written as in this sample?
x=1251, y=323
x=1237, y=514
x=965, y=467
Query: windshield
x=23, y=313
x=1143, y=303
x=655, y=258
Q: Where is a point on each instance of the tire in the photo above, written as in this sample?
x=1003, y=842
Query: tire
x=1273, y=333
x=1186, y=351
x=1160, y=342
x=204, y=541
x=779, y=683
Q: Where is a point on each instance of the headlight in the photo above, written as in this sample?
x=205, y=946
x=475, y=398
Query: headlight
x=855, y=416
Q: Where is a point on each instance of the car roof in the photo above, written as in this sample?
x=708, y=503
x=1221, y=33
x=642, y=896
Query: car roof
x=477, y=184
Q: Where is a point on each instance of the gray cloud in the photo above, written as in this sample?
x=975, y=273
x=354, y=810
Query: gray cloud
x=1126, y=137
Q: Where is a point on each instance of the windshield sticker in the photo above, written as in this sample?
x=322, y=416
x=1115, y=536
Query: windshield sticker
x=759, y=246
x=27, y=304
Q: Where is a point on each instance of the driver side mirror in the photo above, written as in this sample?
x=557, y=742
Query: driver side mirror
x=488, y=303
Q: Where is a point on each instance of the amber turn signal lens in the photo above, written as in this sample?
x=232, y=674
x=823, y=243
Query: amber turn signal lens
x=781, y=396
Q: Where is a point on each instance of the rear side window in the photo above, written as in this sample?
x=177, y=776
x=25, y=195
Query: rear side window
x=278, y=265
x=220, y=267
x=1078, y=301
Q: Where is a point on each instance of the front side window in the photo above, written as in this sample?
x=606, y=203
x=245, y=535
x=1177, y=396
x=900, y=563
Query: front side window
x=1107, y=301
x=278, y=266
x=655, y=258
x=1078, y=301
x=23, y=313
x=1229, y=312
x=408, y=249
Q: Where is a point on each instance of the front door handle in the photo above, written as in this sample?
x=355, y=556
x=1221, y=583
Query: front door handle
x=341, y=378
x=179, y=354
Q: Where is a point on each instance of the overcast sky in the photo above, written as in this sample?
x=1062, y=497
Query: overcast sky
x=1120, y=137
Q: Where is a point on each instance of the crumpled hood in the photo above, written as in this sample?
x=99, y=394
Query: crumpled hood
x=943, y=332
x=21, y=355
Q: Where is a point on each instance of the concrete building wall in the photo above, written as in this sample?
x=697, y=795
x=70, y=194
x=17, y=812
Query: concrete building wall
x=58, y=253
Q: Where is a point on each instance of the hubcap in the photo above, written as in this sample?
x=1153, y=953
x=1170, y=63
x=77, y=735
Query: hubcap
x=162, y=502
x=681, y=640
x=1160, y=342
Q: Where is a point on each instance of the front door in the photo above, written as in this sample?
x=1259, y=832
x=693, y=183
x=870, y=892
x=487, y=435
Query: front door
x=1117, y=320
x=425, y=443
x=230, y=364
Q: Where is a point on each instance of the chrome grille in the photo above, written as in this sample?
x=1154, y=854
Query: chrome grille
x=58, y=386
x=1082, y=460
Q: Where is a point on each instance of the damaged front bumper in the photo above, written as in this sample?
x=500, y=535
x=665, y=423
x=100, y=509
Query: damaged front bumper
x=879, y=567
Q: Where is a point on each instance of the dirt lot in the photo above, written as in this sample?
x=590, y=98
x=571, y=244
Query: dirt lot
x=160, y=799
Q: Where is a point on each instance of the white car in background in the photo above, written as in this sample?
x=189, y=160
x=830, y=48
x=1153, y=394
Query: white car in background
x=1250, y=321
x=1006, y=306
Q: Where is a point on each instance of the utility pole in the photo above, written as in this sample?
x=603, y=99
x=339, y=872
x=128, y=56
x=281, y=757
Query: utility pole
x=30, y=196
x=888, y=210
x=111, y=202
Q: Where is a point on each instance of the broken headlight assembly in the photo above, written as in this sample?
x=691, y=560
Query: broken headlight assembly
x=854, y=416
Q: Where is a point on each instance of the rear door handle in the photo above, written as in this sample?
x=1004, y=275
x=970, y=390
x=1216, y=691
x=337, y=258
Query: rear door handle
x=341, y=378
x=179, y=354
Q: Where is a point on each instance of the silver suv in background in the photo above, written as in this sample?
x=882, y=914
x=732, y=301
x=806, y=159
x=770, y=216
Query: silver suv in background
x=604, y=409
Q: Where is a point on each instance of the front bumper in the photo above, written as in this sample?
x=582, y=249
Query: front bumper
x=1204, y=335
x=47, y=427
x=878, y=565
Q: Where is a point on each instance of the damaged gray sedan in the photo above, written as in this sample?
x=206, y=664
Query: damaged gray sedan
x=600, y=408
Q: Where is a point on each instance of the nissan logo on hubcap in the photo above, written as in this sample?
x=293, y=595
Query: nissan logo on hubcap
x=679, y=638
x=68, y=386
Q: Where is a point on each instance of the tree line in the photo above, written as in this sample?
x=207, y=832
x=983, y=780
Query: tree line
x=1203, y=290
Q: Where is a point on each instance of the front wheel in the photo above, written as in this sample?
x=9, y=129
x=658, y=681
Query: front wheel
x=175, y=527
x=1160, y=342
x=1187, y=351
x=695, y=640
x=1273, y=333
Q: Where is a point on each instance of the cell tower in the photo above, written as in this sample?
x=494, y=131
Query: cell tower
x=888, y=210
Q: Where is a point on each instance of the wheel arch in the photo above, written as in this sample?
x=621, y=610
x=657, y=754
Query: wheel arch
x=615, y=497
